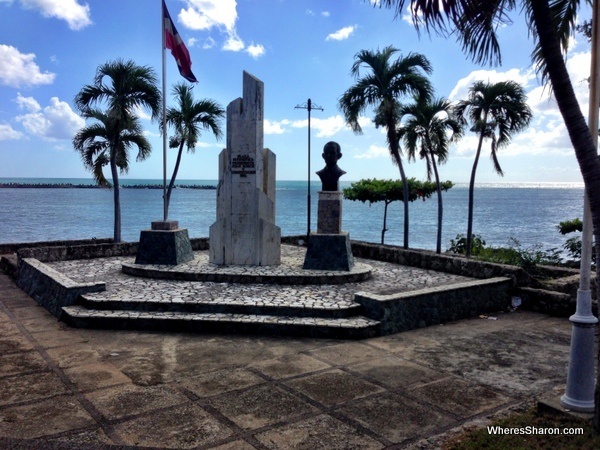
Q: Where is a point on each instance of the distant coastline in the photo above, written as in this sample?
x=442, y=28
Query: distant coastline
x=94, y=186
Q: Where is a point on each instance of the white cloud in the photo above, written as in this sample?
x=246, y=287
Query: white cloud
x=461, y=89
x=209, y=43
x=342, y=34
x=274, y=127
x=28, y=104
x=7, y=133
x=18, y=69
x=56, y=121
x=374, y=151
x=325, y=13
x=325, y=127
x=76, y=15
x=234, y=44
x=204, y=15
x=256, y=51
x=191, y=42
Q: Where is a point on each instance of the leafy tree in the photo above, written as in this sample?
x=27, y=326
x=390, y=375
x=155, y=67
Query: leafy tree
x=129, y=87
x=428, y=128
x=551, y=22
x=385, y=82
x=187, y=119
x=388, y=191
x=497, y=111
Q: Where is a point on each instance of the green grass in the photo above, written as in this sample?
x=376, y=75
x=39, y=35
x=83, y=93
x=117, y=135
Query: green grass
x=481, y=438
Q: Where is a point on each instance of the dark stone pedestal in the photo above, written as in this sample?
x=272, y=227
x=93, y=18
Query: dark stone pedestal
x=164, y=244
x=329, y=252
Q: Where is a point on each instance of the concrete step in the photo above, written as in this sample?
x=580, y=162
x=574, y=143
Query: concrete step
x=252, y=306
x=334, y=328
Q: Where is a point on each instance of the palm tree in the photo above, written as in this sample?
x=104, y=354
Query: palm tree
x=130, y=87
x=385, y=82
x=187, y=120
x=496, y=111
x=428, y=128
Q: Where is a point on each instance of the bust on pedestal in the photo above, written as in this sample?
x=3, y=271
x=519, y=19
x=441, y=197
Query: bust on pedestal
x=329, y=248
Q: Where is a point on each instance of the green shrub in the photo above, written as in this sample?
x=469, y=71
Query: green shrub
x=458, y=245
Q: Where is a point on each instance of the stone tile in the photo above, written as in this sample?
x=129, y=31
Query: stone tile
x=290, y=365
x=308, y=435
x=334, y=387
x=260, y=406
x=396, y=372
x=14, y=343
x=82, y=439
x=74, y=355
x=36, y=386
x=395, y=417
x=43, y=418
x=32, y=312
x=221, y=381
x=459, y=397
x=44, y=324
x=235, y=445
x=126, y=400
x=96, y=376
x=16, y=363
x=347, y=353
x=8, y=328
x=186, y=426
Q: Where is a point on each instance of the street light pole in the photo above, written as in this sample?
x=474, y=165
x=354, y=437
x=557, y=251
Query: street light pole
x=309, y=107
x=579, y=393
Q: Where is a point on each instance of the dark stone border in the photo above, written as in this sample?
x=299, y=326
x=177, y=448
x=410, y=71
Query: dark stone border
x=50, y=288
x=360, y=272
x=431, y=306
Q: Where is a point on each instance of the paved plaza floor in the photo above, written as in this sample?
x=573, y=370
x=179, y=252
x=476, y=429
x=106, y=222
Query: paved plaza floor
x=84, y=389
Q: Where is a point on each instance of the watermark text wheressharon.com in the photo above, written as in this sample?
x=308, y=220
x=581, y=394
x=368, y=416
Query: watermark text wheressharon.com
x=534, y=430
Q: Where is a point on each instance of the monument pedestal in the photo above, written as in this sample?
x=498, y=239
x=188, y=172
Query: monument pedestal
x=329, y=252
x=165, y=244
x=329, y=248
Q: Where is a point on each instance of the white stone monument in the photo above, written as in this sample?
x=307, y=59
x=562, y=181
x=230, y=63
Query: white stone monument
x=245, y=232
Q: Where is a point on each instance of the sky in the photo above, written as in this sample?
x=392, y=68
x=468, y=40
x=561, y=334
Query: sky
x=300, y=49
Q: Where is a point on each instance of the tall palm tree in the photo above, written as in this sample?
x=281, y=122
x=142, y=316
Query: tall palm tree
x=428, y=128
x=129, y=87
x=93, y=143
x=496, y=111
x=385, y=82
x=187, y=119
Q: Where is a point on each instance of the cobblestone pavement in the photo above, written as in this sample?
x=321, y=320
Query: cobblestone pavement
x=387, y=278
x=65, y=388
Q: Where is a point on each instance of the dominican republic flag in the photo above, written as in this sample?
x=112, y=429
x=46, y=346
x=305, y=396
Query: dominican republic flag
x=174, y=43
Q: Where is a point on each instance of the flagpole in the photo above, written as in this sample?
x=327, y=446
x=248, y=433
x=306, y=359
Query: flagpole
x=164, y=108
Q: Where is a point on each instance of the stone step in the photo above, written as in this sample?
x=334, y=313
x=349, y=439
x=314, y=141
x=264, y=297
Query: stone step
x=333, y=328
x=332, y=310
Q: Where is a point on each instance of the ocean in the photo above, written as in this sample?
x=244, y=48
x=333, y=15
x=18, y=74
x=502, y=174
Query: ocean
x=528, y=212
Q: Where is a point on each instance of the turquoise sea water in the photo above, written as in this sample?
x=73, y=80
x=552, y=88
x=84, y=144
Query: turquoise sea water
x=528, y=212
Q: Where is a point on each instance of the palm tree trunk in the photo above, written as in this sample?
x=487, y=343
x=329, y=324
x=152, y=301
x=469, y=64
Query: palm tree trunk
x=384, y=229
x=472, y=189
x=117, y=198
x=395, y=151
x=438, y=248
x=172, y=182
x=579, y=133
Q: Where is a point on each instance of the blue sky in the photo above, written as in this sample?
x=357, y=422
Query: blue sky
x=49, y=49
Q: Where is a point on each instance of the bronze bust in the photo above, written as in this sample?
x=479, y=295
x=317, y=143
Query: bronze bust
x=331, y=173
